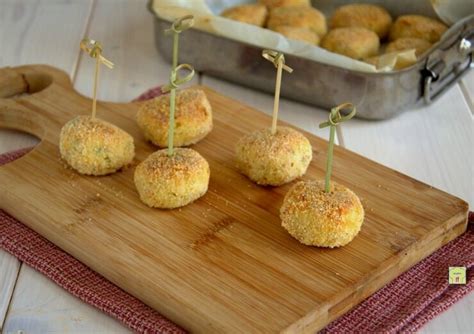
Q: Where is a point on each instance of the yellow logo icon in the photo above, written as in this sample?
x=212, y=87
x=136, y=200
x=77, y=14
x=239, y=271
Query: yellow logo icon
x=457, y=275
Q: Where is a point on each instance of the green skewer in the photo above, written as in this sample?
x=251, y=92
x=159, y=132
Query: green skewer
x=334, y=119
x=178, y=26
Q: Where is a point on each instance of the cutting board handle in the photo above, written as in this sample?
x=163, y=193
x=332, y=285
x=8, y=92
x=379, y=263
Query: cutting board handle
x=22, y=89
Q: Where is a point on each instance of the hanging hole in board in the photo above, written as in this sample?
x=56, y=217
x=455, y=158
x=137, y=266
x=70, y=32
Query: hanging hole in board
x=14, y=84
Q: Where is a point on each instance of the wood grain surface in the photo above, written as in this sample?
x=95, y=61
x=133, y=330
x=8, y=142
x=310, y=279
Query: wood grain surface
x=46, y=32
x=223, y=262
x=10, y=266
x=72, y=315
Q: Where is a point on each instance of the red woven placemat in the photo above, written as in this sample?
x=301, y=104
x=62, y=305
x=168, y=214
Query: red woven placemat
x=404, y=305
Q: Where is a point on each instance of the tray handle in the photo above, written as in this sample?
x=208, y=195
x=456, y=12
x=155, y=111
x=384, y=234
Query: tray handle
x=448, y=68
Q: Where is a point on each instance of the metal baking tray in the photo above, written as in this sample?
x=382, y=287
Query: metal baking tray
x=376, y=95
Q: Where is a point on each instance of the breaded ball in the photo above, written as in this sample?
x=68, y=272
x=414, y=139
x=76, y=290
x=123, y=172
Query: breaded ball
x=317, y=218
x=193, y=118
x=169, y=182
x=407, y=43
x=301, y=17
x=273, y=159
x=95, y=147
x=357, y=43
x=300, y=34
x=255, y=14
x=367, y=16
x=284, y=3
x=417, y=26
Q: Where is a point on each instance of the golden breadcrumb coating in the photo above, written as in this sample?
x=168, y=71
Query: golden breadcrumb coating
x=193, y=118
x=300, y=34
x=170, y=182
x=269, y=159
x=284, y=3
x=317, y=218
x=94, y=146
x=417, y=26
x=357, y=43
x=301, y=17
x=407, y=43
x=372, y=17
x=255, y=14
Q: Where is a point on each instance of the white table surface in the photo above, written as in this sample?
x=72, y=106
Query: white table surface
x=434, y=144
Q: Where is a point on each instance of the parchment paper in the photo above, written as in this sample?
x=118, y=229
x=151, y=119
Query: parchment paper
x=206, y=18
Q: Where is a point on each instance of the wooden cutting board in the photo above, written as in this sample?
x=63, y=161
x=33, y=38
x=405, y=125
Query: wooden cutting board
x=223, y=263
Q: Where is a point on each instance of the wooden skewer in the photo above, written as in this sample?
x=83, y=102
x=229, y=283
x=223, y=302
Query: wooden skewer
x=94, y=95
x=94, y=49
x=278, y=59
x=276, y=100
